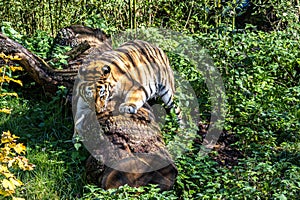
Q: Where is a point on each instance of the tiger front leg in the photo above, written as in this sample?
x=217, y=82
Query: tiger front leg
x=134, y=100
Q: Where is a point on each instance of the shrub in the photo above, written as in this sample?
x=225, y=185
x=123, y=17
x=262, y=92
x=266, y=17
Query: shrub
x=6, y=77
x=11, y=158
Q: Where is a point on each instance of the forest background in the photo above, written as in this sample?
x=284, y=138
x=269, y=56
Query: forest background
x=254, y=45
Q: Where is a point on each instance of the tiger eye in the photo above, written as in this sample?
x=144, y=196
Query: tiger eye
x=106, y=69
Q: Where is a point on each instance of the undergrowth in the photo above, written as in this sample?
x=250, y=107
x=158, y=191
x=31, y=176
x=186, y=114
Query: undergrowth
x=261, y=73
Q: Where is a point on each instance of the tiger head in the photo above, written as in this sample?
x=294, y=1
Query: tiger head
x=95, y=85
x=95, y=94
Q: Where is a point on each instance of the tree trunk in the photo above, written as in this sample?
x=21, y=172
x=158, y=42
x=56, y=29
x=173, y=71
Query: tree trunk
x=126, y=149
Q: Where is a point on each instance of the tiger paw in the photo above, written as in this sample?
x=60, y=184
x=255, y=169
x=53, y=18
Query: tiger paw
x=127, y=108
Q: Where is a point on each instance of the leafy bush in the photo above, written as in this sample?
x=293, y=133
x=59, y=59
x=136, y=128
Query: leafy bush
x=10, y=157
x=41, y=44
x=6, y=77
x=126, y=192
x=191, y=16
x=261, y=71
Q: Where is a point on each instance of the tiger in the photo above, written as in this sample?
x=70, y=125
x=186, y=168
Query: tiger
x=135, y=72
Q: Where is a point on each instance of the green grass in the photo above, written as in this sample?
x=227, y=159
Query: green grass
x=45, y=126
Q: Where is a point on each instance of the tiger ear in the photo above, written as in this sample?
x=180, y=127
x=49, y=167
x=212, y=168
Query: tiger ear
x=106, y=69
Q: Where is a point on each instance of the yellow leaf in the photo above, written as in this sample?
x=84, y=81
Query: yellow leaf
x=17, y=198
x=20, y=148
x=16, y=182
x=15, y=58
x=23, y=163
x=11, y=162
x=5, y=110
x=15, y=68
x=29, y=166
x=8, y=94
x=5, y=140
x=6, y=133
x=17, y=81
x=7, y=174
x=3, y=169
x=6, y=137
x=6, y=192
x=5, y=149
x=15, y=137
x=8, y=184
x=8, y=79
x=2, y=55
x=12, y=145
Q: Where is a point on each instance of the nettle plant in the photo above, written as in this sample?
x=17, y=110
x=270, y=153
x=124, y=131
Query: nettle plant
x=41, y=44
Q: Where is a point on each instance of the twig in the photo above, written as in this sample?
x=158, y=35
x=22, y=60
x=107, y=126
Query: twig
x=190, y=12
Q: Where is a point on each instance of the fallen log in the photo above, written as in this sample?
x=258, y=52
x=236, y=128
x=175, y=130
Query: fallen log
x=125, y=149
x=133, y=152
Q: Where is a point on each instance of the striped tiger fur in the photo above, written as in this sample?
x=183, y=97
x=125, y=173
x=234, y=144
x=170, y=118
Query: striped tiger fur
x=135, y=72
